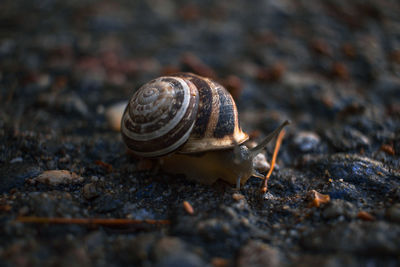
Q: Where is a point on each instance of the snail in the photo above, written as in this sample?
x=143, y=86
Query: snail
x=190, y=123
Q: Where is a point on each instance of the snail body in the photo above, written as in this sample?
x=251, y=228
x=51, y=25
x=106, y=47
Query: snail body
x=208, y=167
x=191, y=124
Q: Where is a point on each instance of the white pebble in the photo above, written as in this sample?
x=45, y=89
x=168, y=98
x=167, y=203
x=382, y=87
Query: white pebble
x=114, y=115
x=16, y=160
x=260, y=163
x=57, y=177
x=307, y=141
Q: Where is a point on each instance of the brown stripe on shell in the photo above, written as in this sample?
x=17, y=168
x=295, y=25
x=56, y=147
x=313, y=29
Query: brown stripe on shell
x=217, y=135
x=226, y=118
x=212, y=123
x=238, y=129
x=206, y=91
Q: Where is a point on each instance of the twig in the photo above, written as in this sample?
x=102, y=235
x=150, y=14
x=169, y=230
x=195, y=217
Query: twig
x=89, y=221
x=264, y=188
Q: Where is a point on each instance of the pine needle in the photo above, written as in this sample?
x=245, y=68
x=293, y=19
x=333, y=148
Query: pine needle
x=89, y=221
x=264, y=187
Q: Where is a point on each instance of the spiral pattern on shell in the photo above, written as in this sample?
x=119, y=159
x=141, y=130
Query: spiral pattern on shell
x=182, y=111
x=160, y=116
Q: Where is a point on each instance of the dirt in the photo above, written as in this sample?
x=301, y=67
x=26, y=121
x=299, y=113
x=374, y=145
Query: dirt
x=331, y=67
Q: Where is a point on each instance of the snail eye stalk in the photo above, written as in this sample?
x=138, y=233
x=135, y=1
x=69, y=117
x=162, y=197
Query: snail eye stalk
x=255, y=150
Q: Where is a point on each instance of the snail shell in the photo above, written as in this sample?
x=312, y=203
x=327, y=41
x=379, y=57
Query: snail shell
x=183, y=113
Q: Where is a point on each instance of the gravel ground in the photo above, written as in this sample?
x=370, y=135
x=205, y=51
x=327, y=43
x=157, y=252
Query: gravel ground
x=331, y=67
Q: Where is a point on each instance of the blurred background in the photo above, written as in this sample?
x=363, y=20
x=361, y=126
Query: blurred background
x=332, y=67
x=307, y=60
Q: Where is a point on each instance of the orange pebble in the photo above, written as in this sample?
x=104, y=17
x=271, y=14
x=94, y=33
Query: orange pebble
x=105, y=165
x=237, y=196
x=317, y=198
x=321, y=47
x=388, y=149
x=365, y=216
x=188, y=208
x=340, y=71
x=219, y=262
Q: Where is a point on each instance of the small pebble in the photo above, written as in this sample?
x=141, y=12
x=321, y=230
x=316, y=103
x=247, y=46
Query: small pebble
x=94, y=178
x=347, y=138
x=89, y=191
x=321, y=47
x=349, y=50
x=317, y=198
x=273, y=73
x=340, y=70
x=57, y=177
x=393, y=213
x=167, y=246
x=44, y=80
x=237, y=196
x=23, y=211
x=114, y=115
x=100, y=109
x=66, y=102
x=355, y=238
x=16, y=160
x=306, y=141
x=256, y=253
x=260, y=163
x=339, y=207
x=220, y=262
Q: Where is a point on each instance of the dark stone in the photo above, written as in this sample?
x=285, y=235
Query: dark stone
x=338, y=207
x=15, y=175
x=106, y=203
x=364, y=238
